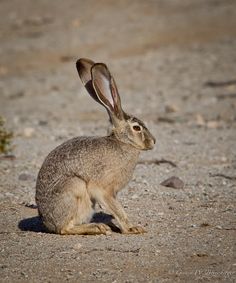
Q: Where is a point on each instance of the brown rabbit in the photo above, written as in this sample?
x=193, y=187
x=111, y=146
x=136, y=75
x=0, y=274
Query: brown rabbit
x=86, y=170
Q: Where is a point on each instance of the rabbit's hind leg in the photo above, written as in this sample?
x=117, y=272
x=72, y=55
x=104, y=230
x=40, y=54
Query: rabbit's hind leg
x=82, y=214
x=86, y=229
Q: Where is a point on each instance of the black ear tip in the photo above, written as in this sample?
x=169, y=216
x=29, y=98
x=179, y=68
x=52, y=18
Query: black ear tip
x=79, y=64
x=84, y=62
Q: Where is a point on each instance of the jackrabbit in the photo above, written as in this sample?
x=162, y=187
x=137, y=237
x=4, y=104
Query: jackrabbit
x=86, y=170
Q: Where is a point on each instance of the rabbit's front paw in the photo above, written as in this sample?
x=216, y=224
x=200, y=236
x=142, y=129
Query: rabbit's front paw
x=135, y=230
x=103, y=228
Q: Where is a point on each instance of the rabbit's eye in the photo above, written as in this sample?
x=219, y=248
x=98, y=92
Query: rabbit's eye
x=137, y=128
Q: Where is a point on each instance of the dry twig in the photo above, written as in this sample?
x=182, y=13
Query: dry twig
x=223, y=176
x=157, y=162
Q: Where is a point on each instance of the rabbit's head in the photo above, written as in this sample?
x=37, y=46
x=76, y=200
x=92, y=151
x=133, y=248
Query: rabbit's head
x=102, y=87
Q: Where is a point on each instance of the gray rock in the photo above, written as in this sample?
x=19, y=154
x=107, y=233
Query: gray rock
x=173, y=182
x=25, y=177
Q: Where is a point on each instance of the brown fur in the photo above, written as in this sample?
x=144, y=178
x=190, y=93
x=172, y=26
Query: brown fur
x=86, y=170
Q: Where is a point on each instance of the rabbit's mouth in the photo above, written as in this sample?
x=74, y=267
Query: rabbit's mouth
x=150, y=144
x=146, y=146
x=149, y=147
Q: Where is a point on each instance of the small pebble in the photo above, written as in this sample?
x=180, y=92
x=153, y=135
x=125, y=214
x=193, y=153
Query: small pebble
x=219, y=227
x=213, y=124
x=193, y=225
x=173, y=182
x=171, y=108
x=28, y=132
x=135, y=196
x=78, y=246
x=200, y=120
x=25, y=177
x=42, y=122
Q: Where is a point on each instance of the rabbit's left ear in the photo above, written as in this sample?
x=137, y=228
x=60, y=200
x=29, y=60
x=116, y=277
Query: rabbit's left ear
x=83, y=67
x=106, y=90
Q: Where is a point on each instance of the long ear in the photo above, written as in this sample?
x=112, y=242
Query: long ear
x=106, y=90
x=83, y=67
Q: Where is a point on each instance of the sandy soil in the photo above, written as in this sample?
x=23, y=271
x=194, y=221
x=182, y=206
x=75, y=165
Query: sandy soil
x=175, y=65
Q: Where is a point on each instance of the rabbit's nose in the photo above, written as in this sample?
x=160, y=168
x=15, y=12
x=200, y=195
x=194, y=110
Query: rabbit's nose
x=153, y=139
x=152, y=142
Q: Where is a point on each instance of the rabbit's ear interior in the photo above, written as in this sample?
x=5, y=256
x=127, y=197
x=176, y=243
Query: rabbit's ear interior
x=83, y=67
x=106, y=90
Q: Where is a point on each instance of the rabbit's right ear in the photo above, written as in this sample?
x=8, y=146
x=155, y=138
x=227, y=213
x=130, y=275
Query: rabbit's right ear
x=83, y=67
x=106, y=90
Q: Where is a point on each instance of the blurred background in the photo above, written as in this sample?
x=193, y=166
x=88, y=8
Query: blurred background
x=45, y=34
x=150, y=46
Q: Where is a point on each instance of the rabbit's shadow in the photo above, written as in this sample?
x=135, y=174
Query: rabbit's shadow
x=34, y=224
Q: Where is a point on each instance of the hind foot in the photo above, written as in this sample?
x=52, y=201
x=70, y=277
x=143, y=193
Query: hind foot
x=87, y=229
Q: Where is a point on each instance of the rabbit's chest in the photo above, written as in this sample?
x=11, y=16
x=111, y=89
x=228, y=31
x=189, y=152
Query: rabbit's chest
x=107, y=166
x=115, y=176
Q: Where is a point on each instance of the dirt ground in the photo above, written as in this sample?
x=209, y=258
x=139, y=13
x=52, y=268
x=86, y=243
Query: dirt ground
x=174, y=62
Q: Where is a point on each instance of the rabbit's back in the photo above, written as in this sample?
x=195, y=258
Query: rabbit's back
x=93, y=159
